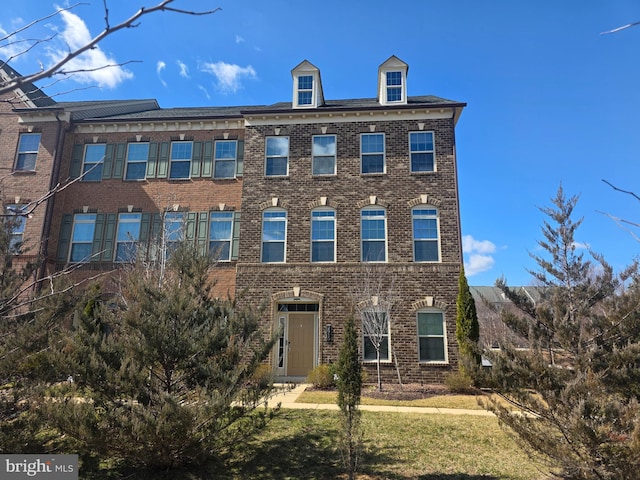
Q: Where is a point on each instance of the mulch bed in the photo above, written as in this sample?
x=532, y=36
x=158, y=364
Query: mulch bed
x=409, y=391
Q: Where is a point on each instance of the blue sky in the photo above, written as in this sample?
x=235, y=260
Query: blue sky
x=550, y=99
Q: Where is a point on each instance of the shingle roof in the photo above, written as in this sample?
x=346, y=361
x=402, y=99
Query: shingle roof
x=33, y=93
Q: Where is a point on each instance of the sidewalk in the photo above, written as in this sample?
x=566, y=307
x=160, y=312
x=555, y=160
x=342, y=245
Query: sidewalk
x=287, y=399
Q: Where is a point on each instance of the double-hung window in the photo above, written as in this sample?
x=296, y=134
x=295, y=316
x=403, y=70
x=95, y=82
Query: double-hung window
x=422, y=152
x=324, y=155
x=323, y=235
x=274, y=232
x=225, y=158
x=372, y=153
x=394, y=86
x=375, y=335
x=277, y=157
x=426, y=247
x=180, y=167
x=93, y=162
x=128, y=237
x=305, y=90
x=432, y=337
x=28, y=146
x=137, y=154
x=84, y=225
x=220, y=235
x=173, y=231
x=15, y=223
x=373, y=232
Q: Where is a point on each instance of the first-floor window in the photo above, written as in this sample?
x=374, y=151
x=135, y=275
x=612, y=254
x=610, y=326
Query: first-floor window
x=375, y=335
x=274, y=231
x=173, y=231
x=220, y=233
x=431, y=337
x=373, y=231
x=128, y=236
x=84, y=225
x=15, y=223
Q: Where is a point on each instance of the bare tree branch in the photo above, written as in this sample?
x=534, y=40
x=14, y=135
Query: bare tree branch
x=131, y=22
x=633, y=194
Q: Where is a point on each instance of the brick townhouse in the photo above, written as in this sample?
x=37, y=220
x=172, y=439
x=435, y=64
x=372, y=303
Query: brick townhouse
x=315, y=209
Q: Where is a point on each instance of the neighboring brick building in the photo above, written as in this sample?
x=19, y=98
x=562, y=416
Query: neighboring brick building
x=316, y=209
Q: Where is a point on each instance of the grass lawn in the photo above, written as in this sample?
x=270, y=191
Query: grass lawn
x=438, y=401
x=302, y=444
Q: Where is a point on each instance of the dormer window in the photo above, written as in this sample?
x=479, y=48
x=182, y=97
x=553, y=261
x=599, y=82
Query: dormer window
x=307, y=88
x=392, y=82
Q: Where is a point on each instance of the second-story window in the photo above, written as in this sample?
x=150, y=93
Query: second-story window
x=426, y=247
x=372, y=153
x=373, y=228
x=323, y=235
x=305, y=90
x=84, y=225
x=274, y=233
x=127, y=237
x=93, y=162
x=422, y=153
x=181, y=153
x=225, y=159
x=324, y=155
x=277, y=157
x=28, y=146
x=220, y=235
x=137, y=154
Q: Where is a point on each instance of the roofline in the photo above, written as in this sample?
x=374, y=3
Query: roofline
x=327, y=108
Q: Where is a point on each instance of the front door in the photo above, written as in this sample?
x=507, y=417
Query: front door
x=300, y=335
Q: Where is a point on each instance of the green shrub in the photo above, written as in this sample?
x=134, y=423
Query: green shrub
x=458, y=382
x=321, y=377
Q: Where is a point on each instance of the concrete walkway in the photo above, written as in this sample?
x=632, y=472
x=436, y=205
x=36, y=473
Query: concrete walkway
x=288, y=396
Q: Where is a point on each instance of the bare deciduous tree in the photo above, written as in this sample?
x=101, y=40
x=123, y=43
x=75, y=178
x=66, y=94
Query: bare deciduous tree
x=57, y=68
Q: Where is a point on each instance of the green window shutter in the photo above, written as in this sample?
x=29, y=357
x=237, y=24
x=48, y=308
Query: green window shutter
x=143, y=242
x=76, y=161
x=163, y=160
x=155, y=241
x=98, y=233
x=118, y=166
x=152, y=160
x=207, y=159
x=196, y=159
x=190, y=230
x=107, y=165
x=240, y=159
x=65, y=238
x=235, y=241
x=203, y=230
x=109, y=238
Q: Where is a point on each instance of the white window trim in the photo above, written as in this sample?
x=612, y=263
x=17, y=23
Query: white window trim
x=384, y=154
x=386, y=236
x=435, y=164
x=444, y=337
x=267, y=157
x=93, y=164
x=413, y=233
x=133, y=242
x=298, y=90
x=73, y=231
x=382, y=360
x=335, y=156
x=335, y=234
x=127, y=162
x=228, y=219
x=262, y=240
x=224, y=160
x=19, y=152
x=171, y=160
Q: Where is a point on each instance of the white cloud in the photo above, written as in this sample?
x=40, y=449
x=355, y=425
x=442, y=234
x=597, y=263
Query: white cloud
x=184, y=70
x=581, y=246
x=94, y=66
x=160, y=66
x=239, y=39
x=12, y=48
x=204, y=90
x=478, y=255
x=228, y=75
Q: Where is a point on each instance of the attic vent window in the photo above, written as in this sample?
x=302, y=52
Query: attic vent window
x=305, y=90
x=394, y=86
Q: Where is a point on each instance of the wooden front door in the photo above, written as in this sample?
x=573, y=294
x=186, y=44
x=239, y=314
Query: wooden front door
x=300, y=348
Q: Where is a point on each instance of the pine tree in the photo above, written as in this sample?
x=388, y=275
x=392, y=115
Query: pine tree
x=166, y=372
x=467, y=328
x=576, y=386
x=349, y=383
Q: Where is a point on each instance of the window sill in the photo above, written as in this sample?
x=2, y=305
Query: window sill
x=433, y=363
x=374, y=361
x=427, y=172
x=24, y=172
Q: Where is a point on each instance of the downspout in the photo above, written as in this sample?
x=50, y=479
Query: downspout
x=48, y=215
x=455, y=174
